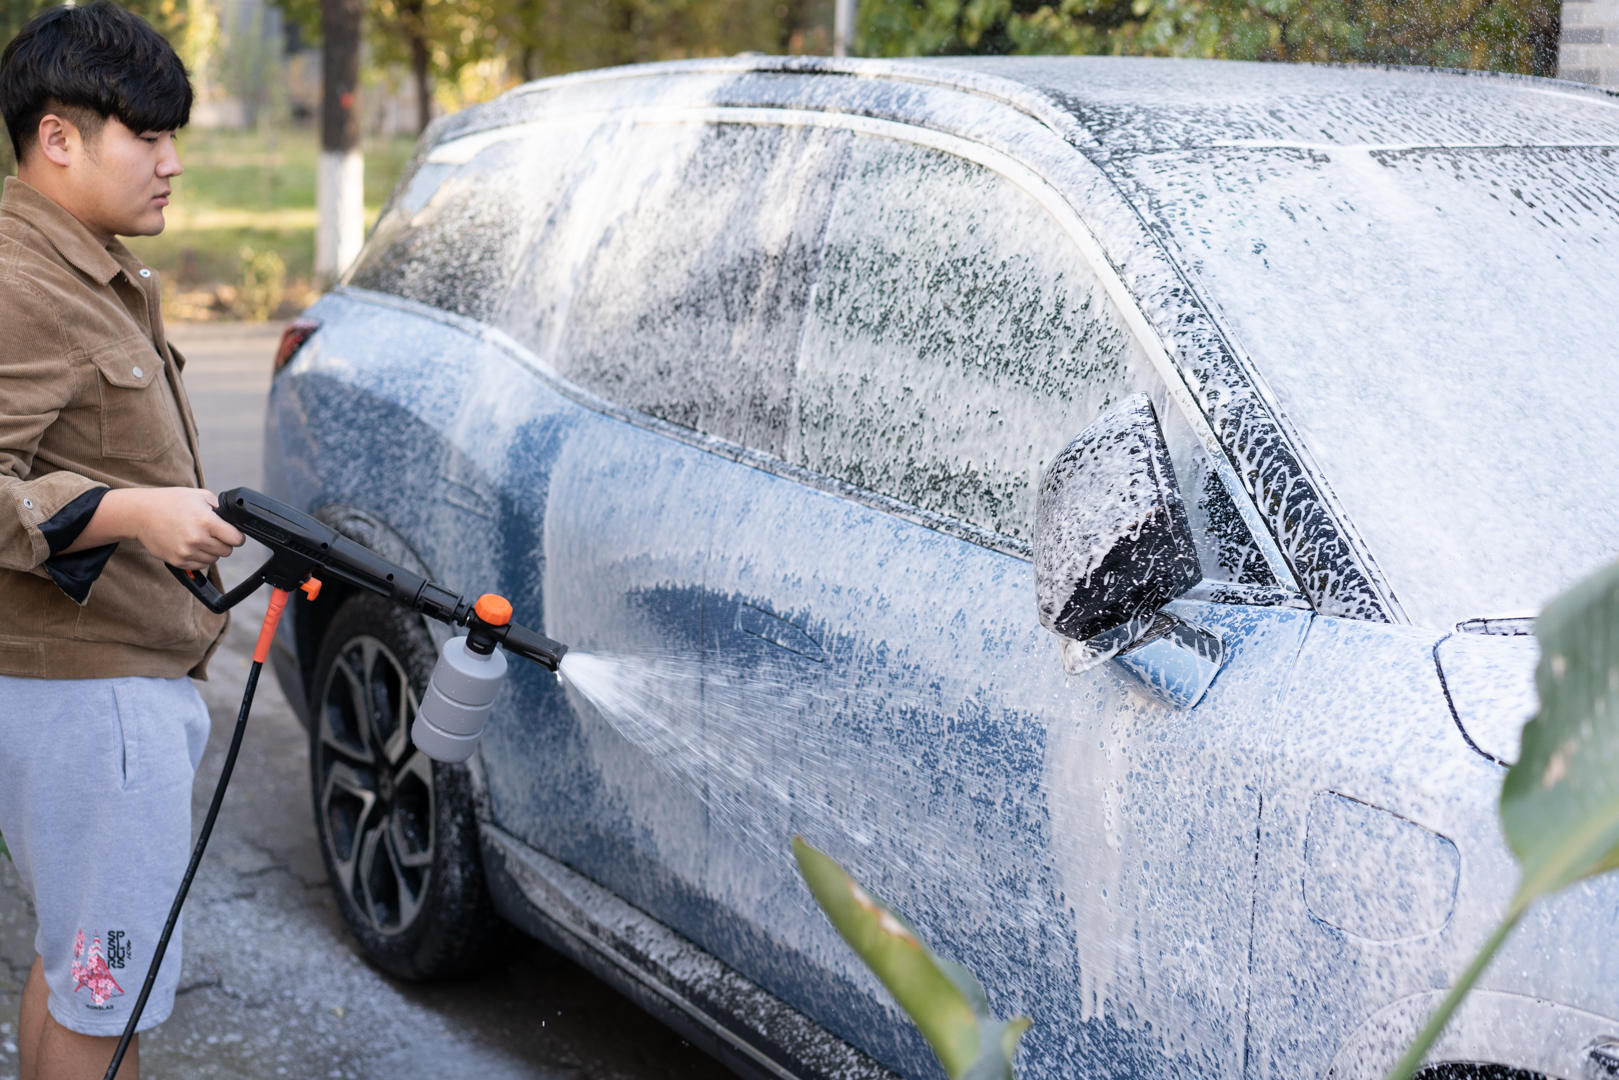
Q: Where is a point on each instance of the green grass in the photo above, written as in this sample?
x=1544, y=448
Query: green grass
x=247, y=189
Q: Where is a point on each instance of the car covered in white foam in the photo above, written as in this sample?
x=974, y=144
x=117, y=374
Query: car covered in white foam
x=1101, y=502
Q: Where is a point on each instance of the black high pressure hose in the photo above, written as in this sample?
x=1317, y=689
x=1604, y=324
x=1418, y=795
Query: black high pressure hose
x=278, y=602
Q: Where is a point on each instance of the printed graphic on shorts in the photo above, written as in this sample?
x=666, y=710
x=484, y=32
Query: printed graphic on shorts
x=118, y=949
x=90, y=972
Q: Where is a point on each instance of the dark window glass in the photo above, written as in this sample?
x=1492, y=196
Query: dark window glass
x=692, y=303
x=957, y=340
x=455, y=235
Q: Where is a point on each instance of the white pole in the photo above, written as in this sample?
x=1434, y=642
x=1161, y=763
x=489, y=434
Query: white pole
x=340, y=212
x=842, y=26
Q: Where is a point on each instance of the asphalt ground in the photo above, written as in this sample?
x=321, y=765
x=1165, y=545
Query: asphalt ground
x=272, y=985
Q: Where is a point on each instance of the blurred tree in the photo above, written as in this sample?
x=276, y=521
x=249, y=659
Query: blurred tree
x=438, y=39
x=1502, y=35
x=553, y=36
x=435, y=39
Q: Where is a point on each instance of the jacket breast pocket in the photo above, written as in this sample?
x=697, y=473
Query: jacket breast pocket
x=137, y=421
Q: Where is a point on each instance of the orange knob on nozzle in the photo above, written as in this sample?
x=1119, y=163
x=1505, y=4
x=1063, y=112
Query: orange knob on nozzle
x=493, y=609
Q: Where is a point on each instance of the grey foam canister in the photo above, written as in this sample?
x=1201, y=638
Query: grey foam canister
x=459, y=696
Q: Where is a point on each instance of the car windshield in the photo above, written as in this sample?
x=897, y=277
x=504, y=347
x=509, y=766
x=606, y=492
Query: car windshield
x=1441, y=326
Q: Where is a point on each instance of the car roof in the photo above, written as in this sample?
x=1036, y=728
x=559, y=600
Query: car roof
x=1146, y=104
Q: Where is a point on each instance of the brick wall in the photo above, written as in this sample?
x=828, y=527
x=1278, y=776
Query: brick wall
x=1589, y=50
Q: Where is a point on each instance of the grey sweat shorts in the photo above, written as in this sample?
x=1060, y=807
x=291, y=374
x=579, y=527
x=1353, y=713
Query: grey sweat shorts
x=95, y=805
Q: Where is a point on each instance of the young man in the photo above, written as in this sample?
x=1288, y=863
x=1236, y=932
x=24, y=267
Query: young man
x=100, y=726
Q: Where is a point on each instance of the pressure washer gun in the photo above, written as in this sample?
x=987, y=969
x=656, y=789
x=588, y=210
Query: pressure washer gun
x=466, y=679
x=305, y=552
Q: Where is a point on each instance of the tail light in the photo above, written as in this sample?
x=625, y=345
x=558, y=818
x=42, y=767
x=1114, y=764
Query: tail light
x=292, y=339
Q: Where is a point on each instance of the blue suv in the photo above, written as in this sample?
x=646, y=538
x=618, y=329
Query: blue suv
x=1099, y=501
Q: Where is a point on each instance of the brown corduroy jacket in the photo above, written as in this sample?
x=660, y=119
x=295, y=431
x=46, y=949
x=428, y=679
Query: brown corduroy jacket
x=90, y=398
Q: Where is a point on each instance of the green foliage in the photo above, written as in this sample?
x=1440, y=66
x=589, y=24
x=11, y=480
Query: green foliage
x=3, y=849
x=252, y=189
x=944, y=999
x=557, y=36
x=1565, y=787
x=1560, y=802
x=551, y=37
x=1503, y=35
x=260, y=284
x=190, y=25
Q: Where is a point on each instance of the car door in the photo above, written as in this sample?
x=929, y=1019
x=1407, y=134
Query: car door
x=876, y=679
x=609, y=533
x=659, y=298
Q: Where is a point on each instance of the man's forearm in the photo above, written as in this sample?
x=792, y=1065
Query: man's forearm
x=116, y=519
x=178, y=525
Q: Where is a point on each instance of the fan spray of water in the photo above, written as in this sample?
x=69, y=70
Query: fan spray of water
x=763, y=745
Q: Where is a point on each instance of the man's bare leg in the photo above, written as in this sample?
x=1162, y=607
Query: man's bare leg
x=48, y=1051
x=31, y=1019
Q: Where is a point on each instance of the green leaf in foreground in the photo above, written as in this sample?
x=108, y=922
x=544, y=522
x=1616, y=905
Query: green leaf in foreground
x=3, y=849
x=944, y=999
x=1560, y=802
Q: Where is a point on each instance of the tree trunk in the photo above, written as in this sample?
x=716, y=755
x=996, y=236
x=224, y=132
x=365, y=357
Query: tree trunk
x=1545, y=32
x=413, y=19
x=340, y=183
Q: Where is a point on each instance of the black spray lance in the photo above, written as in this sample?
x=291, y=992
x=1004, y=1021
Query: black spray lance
x=303, y=554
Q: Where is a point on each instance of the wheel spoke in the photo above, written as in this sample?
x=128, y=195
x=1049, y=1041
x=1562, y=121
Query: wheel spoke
x=408, y=885
x=377, y=900
x=344, y=711
x=347, y=802
x=376, y=797
x=400, y=746
x=412, y=819
x=387, y=698
x=391, y=895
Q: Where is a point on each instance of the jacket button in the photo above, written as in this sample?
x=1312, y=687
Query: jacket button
x=145, y=272
x=137, y=372
x=28, y=504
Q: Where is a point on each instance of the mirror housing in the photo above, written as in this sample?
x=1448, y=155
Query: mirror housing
x=1112, y=543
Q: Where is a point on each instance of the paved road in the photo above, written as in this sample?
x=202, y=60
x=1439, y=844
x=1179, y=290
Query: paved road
x=272, y=985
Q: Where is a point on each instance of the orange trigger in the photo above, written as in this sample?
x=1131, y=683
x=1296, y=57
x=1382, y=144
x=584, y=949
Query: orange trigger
x=311, y=588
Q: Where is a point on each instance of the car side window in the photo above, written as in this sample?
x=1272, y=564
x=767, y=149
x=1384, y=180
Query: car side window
x=691, y=305
x=957, y=340
x=455, y=235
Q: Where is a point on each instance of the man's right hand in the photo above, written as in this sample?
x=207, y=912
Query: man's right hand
x=176, y=524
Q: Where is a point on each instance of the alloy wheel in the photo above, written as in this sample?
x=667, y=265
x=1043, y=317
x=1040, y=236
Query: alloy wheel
x=375, y=789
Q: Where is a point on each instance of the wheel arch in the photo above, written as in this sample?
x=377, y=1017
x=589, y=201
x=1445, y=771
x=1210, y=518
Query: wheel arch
x=306, y=628
x=1496, y=1035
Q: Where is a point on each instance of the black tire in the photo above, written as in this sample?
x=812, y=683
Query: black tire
x=398, y=831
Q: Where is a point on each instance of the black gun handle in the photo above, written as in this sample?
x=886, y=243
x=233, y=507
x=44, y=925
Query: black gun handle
x=203, y=589
x=196, y=581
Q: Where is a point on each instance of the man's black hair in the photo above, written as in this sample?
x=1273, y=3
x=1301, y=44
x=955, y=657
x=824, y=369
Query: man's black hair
x=89, y=63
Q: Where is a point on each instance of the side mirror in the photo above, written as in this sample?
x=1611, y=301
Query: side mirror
x=1112, y=543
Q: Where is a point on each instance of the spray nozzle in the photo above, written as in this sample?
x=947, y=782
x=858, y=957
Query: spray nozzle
x=468, y=677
